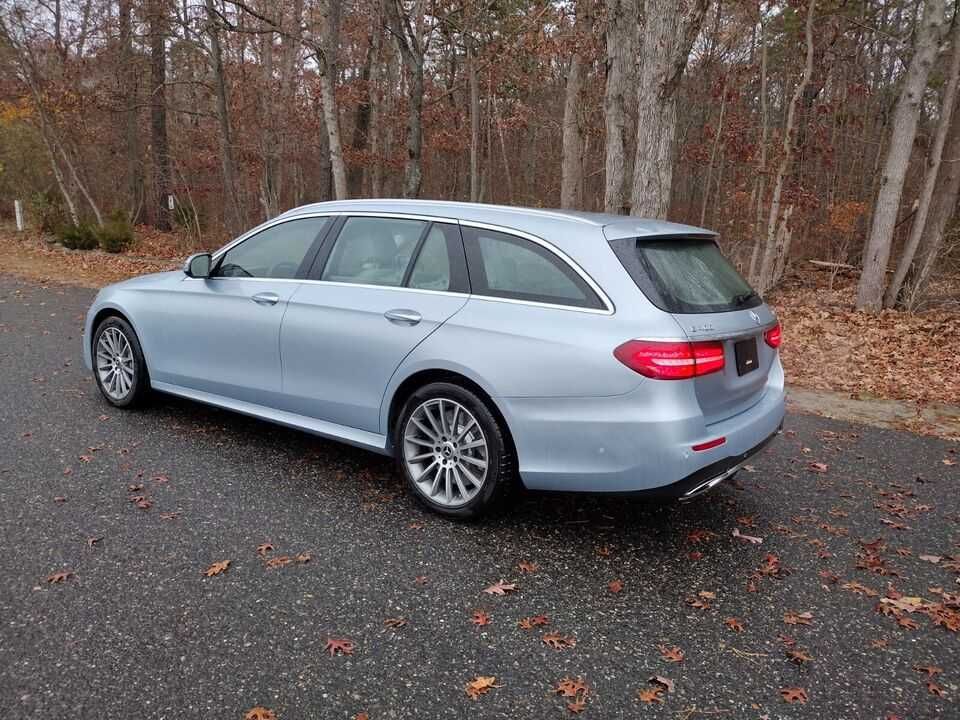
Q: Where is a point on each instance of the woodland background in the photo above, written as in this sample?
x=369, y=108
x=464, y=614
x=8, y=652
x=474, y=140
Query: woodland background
x=798, y=129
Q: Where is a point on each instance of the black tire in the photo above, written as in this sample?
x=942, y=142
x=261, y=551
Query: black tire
x=500, y=470
x=139, y=389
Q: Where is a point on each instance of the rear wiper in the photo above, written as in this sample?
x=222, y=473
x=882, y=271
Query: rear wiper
x=744, y=298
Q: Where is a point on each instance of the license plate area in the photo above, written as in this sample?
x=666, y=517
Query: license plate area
x=745, y=352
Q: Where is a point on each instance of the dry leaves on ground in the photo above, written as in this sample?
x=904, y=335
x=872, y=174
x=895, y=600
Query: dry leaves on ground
x=217, y=568
x=480, y=685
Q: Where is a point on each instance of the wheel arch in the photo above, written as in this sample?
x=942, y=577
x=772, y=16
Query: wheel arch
x=112, y=310
x=418, y=379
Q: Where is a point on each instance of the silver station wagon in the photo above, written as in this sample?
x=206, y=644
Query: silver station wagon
x=479, y=345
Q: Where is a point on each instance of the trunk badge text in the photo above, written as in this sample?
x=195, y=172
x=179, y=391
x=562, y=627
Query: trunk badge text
x=756, y=318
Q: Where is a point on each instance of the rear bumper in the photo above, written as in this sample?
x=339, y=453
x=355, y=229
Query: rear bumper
x=639, y=443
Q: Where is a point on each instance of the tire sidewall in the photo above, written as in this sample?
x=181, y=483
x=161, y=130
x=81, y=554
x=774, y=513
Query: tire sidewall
x=141, y=380
x=492, y=432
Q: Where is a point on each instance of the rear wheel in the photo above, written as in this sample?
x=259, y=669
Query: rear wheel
x=452, y=450
x=118, y=364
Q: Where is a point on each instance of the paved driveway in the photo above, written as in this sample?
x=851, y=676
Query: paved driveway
x=137, y=631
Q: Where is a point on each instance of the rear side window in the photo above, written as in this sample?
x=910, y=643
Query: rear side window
x=373, y=251
x=507, y=266
x=685, y=275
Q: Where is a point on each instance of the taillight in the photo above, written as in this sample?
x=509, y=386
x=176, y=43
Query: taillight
x=671, y=360
x=773, y=336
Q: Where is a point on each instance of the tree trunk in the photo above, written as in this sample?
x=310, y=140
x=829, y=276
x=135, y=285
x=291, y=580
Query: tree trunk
x=930, y=178
x=571, y=167
x=621, y=34
x=474, y=123
x=943, y=206
x=373, y=170
x=131, y=134
x=760, y=183
x=326, y=61
x=775, y=243
x=160, y=148
x=666, y=43
x=233, y=216
x=407, y=31
x=361, y=118
x=877, y=252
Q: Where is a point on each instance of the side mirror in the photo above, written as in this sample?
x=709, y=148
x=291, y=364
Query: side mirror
x=197, y=266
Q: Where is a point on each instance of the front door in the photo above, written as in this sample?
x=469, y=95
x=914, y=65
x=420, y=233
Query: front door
x=229, y=346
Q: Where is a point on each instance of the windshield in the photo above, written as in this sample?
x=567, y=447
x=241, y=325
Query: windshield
x=685, y=275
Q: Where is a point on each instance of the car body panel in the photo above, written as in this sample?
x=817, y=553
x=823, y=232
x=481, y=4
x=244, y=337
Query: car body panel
x=325, y=359
x=340, y=351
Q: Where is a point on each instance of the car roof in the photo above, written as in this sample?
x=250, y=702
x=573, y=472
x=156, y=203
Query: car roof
x=536, y=221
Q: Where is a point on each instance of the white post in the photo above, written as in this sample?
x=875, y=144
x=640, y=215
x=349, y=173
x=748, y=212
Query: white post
x=18, y=209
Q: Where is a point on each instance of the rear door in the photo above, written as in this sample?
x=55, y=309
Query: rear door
x=381, y=287
x=689, y=278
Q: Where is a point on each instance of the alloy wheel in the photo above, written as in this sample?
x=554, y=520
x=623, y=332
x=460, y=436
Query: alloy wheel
x=115, y=364
x=445, y=452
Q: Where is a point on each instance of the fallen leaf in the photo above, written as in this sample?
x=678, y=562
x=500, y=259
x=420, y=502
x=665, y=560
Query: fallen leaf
x=395, y=623
x=666, y=682
x=804, y=618
x=259, y=713
x=615, y=586
x=934, y=689
x=421, y=579
x=734, y=624
x=480, y=618
x=264, y=548
x=279, y=561
x=480, y=685
x=528, y=623
x=568, y=687
x=931, y=558
x=930, y=670
x=528, y=567
x=558, y=641
x=217, y=568
x=91, y=541
x=818, y=467
x=339, y=645
x=798, y=656
x=794, y=695
x=671, y=654
x=60, y=576
x=59, y=499
x=501, y=588
x=651, y=695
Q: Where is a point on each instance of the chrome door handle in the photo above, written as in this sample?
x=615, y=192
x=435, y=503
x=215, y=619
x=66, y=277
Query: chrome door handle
x=266, y=298
x=403, y=317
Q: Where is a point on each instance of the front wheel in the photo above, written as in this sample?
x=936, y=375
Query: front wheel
x=452, y=450
x=118, y=364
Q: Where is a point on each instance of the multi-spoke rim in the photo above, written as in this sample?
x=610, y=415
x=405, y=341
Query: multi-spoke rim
x=445, y=451
x=115, y=366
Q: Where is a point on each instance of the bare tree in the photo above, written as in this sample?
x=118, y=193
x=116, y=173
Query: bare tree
x=876, y=254
x=571, y=166
x=129, y=94
x=621, y=33
x=160, y=146
x=667, y=39
x=778, y=225
x=930, y=178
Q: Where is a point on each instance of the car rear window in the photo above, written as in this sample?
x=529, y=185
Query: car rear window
x=685, y=275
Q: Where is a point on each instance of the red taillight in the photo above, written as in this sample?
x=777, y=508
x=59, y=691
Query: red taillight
x=671, y=360
x=773, y=336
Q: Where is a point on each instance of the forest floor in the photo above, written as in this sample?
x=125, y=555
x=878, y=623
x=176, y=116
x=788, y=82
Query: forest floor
x=828, y=347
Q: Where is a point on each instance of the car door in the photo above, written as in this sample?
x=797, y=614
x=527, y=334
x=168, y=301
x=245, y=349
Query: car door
x=377, y=290
x=224, y=330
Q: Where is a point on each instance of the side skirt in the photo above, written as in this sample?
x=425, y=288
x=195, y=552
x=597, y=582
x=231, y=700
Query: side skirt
x=352, y=436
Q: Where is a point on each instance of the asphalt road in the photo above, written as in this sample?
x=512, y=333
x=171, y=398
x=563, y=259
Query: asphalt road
x=138, y=631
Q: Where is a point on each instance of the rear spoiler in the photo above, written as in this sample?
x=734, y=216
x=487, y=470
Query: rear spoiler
x=639, y=227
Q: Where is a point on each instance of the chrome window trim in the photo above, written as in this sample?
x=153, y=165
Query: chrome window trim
x=562, y=256
x=608, y=308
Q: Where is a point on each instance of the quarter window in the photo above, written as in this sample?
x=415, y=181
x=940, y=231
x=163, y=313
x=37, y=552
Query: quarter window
x=373, y=251
x=276, y=252
x=507, y=266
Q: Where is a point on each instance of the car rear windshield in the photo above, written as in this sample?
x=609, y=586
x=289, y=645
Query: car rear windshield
x=685, y=275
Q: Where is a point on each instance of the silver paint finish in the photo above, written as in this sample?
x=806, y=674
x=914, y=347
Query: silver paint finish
x=329, y=357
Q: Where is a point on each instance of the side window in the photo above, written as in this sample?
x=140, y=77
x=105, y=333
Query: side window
x=373, y=251
x=276, y=252
x=507, y=266
x=431, y=270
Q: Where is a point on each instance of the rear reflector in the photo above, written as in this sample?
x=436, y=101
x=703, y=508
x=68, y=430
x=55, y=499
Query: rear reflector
x=773, y=336
x=671, y=360
x=716, y=442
